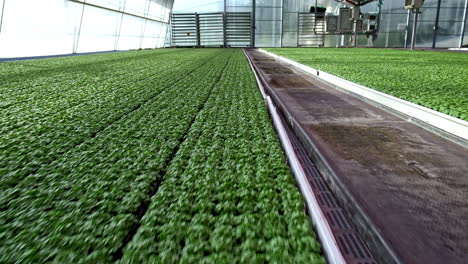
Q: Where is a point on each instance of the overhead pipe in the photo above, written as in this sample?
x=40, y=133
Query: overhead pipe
x=359, y=3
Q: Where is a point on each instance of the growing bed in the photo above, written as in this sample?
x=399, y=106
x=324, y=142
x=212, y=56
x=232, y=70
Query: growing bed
x=437, y=80
x=162, y=156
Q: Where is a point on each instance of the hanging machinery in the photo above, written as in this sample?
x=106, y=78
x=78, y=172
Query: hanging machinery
x=350, y=20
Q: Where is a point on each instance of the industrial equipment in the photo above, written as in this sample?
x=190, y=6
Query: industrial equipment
x=331, y=23
x=345, y=22
x=413, y=4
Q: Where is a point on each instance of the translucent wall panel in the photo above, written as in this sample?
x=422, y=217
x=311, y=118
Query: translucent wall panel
x=154, y=35
x=98, y=36
x=48, y=27
x=465, y=39
x=38, y=29
x=290, y=17
x=393, y=24
x=392, y=29
x=268, y=23
x=112, y=4
x=450, y=23
x=201, y=6
x=160, y=10
x=239, y=5
x=130, y=33
x=136, y=7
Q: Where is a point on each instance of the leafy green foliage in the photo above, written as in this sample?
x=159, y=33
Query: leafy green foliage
x=437, y=80
x=87, y=138
x=53, y=110
x=227, y=194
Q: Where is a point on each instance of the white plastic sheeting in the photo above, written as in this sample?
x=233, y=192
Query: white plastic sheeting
x=50, y=27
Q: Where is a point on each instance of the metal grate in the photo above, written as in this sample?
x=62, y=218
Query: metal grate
x=239, y=29
x=349, y=241
x=211, y=29
x=311, y=30
x=185, y=30
x=232, y=29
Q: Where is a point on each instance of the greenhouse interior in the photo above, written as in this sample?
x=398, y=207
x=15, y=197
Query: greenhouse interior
x=234, y=131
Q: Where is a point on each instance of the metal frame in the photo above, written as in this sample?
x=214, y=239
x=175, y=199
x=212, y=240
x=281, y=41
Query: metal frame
x=436, y=20
x=282, y=23
x=408, y=18
x=224, y=24
x=160, y=31
x=254, y=23
x=462, y=35
x=211, y=29
x=1, y=15
x=116, y=44
x=436, y=25
x=75, y=48
x=309, y=30
x=282, y=18
x=115, y=10
x=415, y=27
x=147, y=6
x=239, y=29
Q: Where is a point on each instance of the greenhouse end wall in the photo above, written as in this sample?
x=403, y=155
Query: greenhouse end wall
x=51, y=27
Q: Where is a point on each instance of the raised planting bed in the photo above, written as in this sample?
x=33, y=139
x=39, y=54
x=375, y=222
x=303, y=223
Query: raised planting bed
x=437, y=80
x=152, y=156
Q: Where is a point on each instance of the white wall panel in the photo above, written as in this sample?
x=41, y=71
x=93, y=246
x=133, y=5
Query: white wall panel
x=50, y=27
x=130, y=33
x=99, y=30
x=153, y=33
x=31, y=28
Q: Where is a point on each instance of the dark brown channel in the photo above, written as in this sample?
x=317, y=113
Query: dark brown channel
x=404, y=188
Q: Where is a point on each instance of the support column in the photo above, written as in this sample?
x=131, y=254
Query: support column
x=436, y=25
x=355, y=34
x=408, y=18
x=197, y=22
x=254, y=7
x=161, y=28
x=415, y=26
x=116, y=44
x=142, y=36
x=224, y=25
x=75, y=50
x=1, y=15
x=282, y=18
x=462, y=35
